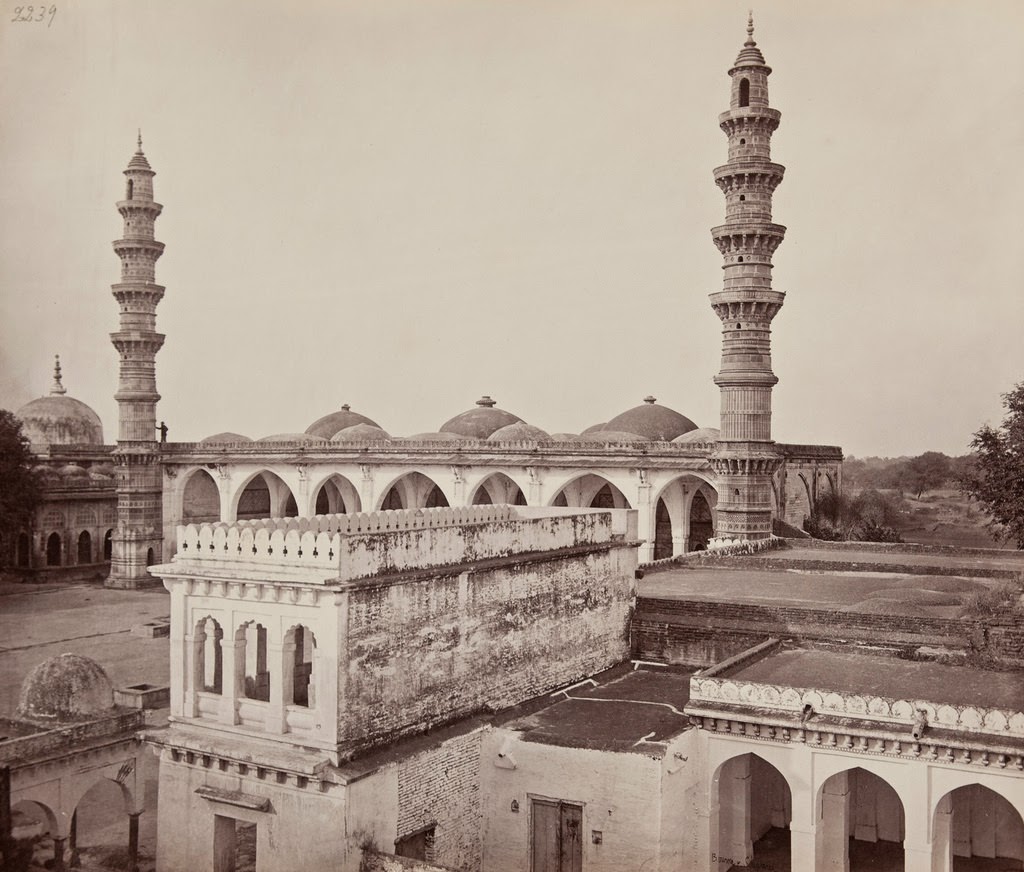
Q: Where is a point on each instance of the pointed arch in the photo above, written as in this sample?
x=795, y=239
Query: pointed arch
x=744, y=95
x=200, y=498
x=263, y=494
x=495, y=489
x=84, y=547
x=677, y=496
x=974, y=820
x=413, y=490
x=755, y=808
x=208, y=636
x=590, y=491
x=335, y=495
x=862, y=821
x=54, y=549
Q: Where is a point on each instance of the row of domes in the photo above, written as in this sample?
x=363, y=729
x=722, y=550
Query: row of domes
x=648, y=422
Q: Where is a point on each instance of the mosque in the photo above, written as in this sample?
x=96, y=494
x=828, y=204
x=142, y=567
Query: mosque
x=112, y=510
x=429, y=653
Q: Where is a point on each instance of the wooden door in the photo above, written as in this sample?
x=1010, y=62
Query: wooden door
x=557, y=843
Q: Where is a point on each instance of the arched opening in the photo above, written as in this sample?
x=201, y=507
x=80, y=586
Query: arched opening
x=131, y=189
x=253, y=661
x=662, y=532
x=265, y=496
x=755, y=808
x=860, y=823
x=200, y=500
x=209, y=656
x=84, y=547
x=150, y=557
x=304, y=643
x=336, y=496
x=108, y=544
x=414, y=491
x=99, y=826
x=702, y=522
x=591, y=492
x=744, y=92
x=53, y=549
x=498, y=489
x=24, y=550
x=33, y=826
x=976, y=822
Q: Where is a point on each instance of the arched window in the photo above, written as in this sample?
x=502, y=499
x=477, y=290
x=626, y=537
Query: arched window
x=302, y=676
x=108, y=544
x=744, y=92
x=85, y=547
x=24, y=548
x=150, y=557
x=131, y=188
x=209, y=669
x=53, y=549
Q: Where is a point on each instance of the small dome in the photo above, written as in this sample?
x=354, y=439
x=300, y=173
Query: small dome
x=519, y=432
x=304, y=438
x=360, y=433
x=481, y=422
x=330, y=424
x=58, y=419
x=651, y=421
x=73, y=469
x=436, y=437
x=225, y=438
x=612, y=436
x=594, y=428
x=65, y=688
x=701, y=434
x=565, y=437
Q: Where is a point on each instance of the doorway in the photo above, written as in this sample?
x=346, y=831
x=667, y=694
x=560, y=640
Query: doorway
x=557, y=843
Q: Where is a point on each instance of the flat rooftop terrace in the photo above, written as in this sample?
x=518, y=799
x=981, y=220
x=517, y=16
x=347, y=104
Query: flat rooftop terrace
x=865, y=674
x=620, y=712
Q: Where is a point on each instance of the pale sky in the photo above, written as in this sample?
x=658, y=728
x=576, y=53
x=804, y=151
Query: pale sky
x=405, y=205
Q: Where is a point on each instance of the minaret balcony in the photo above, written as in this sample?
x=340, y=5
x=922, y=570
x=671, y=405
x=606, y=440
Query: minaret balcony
x=752, y=172
x=146, y=207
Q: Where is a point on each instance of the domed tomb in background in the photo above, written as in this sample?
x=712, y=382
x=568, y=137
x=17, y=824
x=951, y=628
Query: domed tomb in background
x=658, y=423
x=330, y=424
x=481, y=422
x=67, y=687
x=58, y=419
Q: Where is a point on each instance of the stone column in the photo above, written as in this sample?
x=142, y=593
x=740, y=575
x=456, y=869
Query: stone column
x=194, y=680
x=133, y=841
x=58, y=854
x=366, y=487
x=942, y=836
x=802, y=840
x=302, y=497
x=459, y=494
x=647, y=521
x=74, y=861
x=232, y=683
x=536, y=495
x=834, y=826
x=734, y=811
x=282, y=681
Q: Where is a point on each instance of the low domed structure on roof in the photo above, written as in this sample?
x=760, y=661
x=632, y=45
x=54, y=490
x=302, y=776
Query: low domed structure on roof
x=701, y=434
x=481, y=422
x=225, y=438
x=651, y=421
x=67, y=687
x=360, y=433
x=58, y=419
x=519, y=432
x=301, y=438
x=612, y=436
x=436, y=437
x=330, y=424
x=73, y=470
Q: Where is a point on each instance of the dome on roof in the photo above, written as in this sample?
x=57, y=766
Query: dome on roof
x=593, y=429
x=58, y=419
x=481, y=422
x=565, y=437
x=701, y=434
x=65, y=688
x=360, y=432
x=304, y=438
x=330, y=424
x=73, y=469
x=612, y=436
x=520, y=431
x=654, y=422
x=225, y=438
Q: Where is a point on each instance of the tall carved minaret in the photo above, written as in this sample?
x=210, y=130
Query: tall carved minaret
x=138, y=536
x=745, y=456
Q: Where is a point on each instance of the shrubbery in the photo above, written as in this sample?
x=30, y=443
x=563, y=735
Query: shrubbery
x=868, y=517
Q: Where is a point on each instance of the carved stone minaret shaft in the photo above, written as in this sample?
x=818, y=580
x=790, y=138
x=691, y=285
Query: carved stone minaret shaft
x=745, y=457
x=138, y=536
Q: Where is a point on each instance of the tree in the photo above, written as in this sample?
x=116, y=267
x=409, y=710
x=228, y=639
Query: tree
x=20, y=486
x=925, y=472
x=997, y=477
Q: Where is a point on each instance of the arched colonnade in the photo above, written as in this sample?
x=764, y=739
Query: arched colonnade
x=676, y=508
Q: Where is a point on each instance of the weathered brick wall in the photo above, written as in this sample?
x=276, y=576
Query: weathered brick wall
x=686, y=645
x=423, y=651
x=441, y=787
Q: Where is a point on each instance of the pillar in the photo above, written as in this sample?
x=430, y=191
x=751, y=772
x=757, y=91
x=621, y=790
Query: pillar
x=74, y=860
x=734, y=811
x=282, y=682
x=942, y=836
x=647, y=521
x=834, y=825
x=194, y=652
x=58, y=854
x=133, y=841
x=366, y=488
x=802, y=842
x=232, y=689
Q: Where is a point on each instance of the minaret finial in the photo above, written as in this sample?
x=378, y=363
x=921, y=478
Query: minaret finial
x=140, y=139
x=57, y=388
x=750, y=27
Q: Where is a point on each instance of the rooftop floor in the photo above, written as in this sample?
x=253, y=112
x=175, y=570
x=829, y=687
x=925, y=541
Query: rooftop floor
x=886, y=676
x=620, y=712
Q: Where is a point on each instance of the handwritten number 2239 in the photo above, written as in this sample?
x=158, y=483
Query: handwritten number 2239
x=34, y=14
